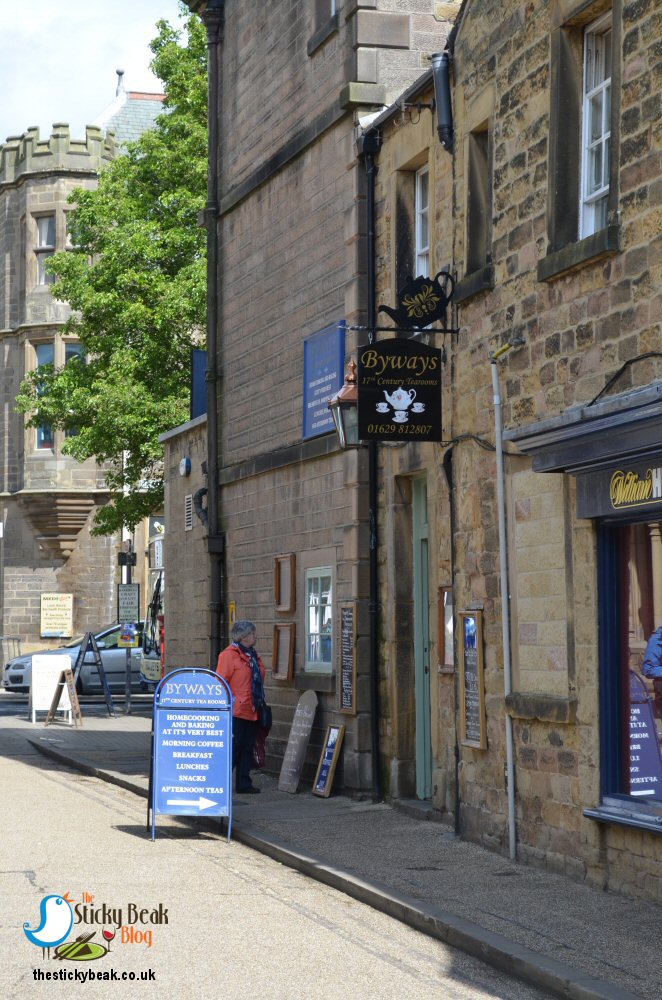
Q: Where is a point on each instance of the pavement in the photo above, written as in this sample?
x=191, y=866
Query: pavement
x=566, y=938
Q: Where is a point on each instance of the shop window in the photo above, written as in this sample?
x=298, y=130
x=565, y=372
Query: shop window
x=319, y=619
x=45, y=247
x=631, y=670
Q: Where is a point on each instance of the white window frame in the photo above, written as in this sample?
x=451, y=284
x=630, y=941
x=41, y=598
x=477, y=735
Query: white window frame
x=318, y=638
x=422, y=223
x=43, y=248
x=595, y=141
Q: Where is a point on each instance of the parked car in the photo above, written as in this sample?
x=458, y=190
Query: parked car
x=17, y=674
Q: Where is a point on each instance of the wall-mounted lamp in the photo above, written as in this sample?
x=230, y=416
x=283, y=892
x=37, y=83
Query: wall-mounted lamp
x=345, y=410
x=442, y=98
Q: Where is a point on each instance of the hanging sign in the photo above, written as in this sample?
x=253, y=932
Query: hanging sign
x=399, y=389
x=422, y=301
x=191, y=746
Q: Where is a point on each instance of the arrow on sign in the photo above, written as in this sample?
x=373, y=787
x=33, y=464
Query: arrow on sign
x=201, y=803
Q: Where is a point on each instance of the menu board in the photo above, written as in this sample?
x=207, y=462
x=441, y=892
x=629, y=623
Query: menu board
x=328, y=761
x=348, y=659
x=297, y=744
x=472, y=687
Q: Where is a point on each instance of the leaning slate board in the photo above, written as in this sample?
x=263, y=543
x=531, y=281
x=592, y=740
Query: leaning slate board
x=297, y=744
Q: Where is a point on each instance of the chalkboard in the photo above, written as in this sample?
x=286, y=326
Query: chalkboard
x=472, y=687
x=348, y=658
x=328, y=760
x=46, y=671
x=297, y=744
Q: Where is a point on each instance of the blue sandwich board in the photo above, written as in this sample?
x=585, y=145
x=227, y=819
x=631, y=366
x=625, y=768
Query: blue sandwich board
x=191, y=768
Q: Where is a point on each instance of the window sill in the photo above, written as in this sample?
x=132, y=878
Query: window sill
x=544, y=708
x=322, y=34
x=474, y=283
x=574, y=256
x=325, y=683
x=626, y=815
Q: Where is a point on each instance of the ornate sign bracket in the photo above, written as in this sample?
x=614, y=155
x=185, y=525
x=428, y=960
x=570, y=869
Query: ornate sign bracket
x=420, y=303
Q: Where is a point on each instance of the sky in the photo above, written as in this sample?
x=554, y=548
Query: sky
x=58, y=58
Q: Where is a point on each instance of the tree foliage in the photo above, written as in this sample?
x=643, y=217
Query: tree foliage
x=136, y=281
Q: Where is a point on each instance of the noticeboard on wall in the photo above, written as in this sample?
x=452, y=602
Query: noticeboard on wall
x=348, y=658
x=57, y=616
x=472, y=684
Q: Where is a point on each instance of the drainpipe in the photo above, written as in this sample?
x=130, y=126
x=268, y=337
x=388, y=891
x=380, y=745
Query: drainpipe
x=368, y=144
x=505, y=591
x=213, y=18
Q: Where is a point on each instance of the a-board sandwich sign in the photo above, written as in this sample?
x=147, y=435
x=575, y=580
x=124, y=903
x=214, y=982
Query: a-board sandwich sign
x=191, y=768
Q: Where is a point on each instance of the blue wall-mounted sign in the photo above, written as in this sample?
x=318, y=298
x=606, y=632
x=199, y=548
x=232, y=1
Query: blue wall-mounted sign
x=191, y=746
x=323, y=377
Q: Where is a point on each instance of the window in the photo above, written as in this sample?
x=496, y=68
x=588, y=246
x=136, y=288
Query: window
x=73, y=351
x=582, y=191
x=45, y=356
x=596, y=106
x=631, y=668
x=319, y=620
x=45, y=247
x=422, y=211
x=478, y=201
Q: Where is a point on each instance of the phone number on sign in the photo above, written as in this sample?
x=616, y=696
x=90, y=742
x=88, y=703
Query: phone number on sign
x=400, y=429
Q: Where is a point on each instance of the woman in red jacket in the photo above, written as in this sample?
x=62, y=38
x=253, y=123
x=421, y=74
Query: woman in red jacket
x=244, y=671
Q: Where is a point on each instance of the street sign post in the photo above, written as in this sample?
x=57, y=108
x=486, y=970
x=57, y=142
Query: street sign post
x=191, y=769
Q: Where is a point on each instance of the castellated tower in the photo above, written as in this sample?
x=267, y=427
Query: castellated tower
x=48, y=500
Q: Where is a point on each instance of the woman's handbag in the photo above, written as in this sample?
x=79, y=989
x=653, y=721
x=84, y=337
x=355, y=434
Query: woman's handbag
x=265, y=719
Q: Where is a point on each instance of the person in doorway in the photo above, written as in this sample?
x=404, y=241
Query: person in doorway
x=244, y=671
x=652, y=668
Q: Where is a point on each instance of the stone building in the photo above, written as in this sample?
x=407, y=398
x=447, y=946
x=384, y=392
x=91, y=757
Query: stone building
x=48, y=500
x=555, y=226
x=517, y=720
x=288, y=534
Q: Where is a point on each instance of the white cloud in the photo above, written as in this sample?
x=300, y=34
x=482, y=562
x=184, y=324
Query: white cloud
x=58, y=60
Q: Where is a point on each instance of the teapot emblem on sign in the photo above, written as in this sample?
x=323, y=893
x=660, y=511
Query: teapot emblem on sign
x=401, y=399
x=422, y=301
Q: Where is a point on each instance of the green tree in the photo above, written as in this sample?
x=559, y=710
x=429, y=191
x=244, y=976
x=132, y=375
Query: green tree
x=136, y=281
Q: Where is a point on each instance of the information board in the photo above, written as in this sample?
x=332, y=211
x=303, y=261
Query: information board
x=472, y=688
x=46, y=672
x=348, y=658
x=297, y=744
x=192, y=746
x=328, y=761
x=645, y=757
x=323, y=361
x=57, y=616
x=128, y=603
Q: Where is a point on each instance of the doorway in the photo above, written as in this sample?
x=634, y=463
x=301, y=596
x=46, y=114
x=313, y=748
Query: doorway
x=422, y=638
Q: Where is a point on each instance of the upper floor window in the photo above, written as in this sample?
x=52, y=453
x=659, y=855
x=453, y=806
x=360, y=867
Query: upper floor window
x=596, y=106
x=422, y=212
x=45, y=247
x=45, y=354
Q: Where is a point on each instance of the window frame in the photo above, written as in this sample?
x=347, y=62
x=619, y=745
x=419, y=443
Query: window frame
x=422, y=222
x=44, y=250
x=61, y=347
x=322, y=666
x=589, y=221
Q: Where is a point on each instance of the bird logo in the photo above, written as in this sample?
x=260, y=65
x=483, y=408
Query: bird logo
x=55, y=922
